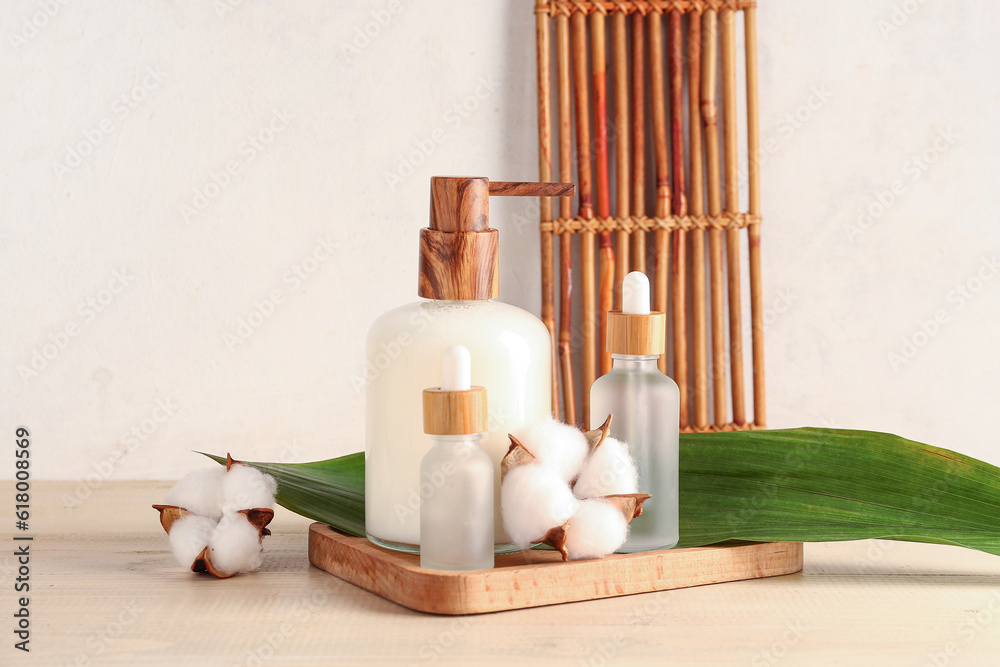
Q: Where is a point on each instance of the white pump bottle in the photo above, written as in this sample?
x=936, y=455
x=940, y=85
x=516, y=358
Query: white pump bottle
x=459, y=280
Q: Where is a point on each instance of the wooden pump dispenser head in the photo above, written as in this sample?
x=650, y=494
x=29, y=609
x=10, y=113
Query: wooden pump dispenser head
x=459, y=253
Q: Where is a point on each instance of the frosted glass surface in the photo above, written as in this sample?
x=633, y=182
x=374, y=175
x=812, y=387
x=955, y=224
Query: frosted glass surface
x=456, y=511
x=645, y=404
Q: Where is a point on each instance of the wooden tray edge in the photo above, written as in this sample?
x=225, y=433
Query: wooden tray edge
x=542, y=579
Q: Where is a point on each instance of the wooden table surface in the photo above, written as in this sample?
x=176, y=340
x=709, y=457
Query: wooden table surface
x=105, y=589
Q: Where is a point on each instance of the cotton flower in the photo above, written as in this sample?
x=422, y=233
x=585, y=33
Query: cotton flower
x=235, y=545
x=199, y=492
x=608, y=470
x=244, y=487
x=595, y=530
x=216, y=518
x=533, y=500
x=575, y=491
x=555, y=445
x=189, y=535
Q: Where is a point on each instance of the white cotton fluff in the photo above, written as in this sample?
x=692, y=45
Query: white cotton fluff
x=189, y=535
x=559, y=446
x=595, y=530
x=199, y=492
x=235, y=545
x=214, y=496
x=244, y=487
x=608, y=471
x=533, y=500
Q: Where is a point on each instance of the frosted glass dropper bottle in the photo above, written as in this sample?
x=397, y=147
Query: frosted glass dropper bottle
x=456, y=475
x=459, y=282
x=645, y=404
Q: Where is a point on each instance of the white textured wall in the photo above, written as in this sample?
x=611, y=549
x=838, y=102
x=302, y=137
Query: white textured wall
x=168, y=170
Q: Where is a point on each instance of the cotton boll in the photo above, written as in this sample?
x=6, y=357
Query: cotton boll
x=595, y=530
x=235, y=545
x=189, y=535
x=533, y=500
x=556, y=445
x=608, y=471
x=244, y=487
x=199, y=492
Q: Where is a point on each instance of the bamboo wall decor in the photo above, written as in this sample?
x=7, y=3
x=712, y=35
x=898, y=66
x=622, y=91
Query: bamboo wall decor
x=660, y=51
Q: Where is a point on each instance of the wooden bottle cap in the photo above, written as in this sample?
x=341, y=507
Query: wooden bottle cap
x=459, y=253
x=640, y=335
x=460, y=412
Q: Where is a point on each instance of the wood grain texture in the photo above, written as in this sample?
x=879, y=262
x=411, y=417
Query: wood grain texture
x=638, y=25
x=622, y=175
x=530, y=189
x=709, y=115
x=539, y=578
x=658, y=93
x=459, y=253
x=457, y=266
x=753, y=233
x=565, y=211
x=629, y=333
x=678, y=249
x=696, y=205
x=602, y=193
x=460, y=204
x=585, y=210
x=727, y=22
x=455, y=412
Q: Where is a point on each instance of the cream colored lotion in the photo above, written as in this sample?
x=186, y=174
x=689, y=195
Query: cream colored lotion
x=511, y=348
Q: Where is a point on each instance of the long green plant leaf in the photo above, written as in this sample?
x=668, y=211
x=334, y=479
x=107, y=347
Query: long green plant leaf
x=331, y=491
x=817, y=485
x=799, y=485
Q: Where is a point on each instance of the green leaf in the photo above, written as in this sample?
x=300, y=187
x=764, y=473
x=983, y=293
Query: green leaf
x=798, y=485
x=817, y=485
x=331, y=491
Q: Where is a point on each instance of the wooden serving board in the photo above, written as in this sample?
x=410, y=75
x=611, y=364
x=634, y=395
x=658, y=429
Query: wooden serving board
x=536, y=578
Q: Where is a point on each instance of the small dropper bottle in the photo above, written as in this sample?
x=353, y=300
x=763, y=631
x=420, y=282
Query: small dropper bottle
x=645, y=404
x=456, y=475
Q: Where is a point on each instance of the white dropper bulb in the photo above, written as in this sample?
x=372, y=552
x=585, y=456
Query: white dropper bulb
x=456, y=368
x=635, y=294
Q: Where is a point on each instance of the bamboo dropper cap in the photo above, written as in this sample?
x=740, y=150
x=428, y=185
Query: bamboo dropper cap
x=634, y=330
x=459, y=253
x=456, y=407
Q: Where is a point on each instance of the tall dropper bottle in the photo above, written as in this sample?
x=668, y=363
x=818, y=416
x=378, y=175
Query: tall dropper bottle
x=646, y=405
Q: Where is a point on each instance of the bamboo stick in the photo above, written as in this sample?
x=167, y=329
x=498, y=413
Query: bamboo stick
x=678, y=272
x=585, y=210
x=753, y=148
x=622, y=208
x=728, y=21
x=606, y=258
x=710, y=119
x=657, y=92
x=565, y=212
x=638, y=139
x=697, y=207
x=543, y=46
